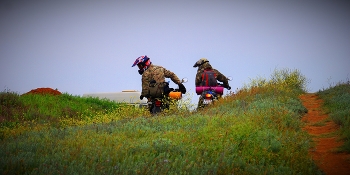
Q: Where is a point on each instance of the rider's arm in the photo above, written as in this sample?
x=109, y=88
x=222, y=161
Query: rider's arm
x=172, y=76
x=198, y=78
x=221, y=77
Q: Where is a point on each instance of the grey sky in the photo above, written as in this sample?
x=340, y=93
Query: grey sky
x=89, y=46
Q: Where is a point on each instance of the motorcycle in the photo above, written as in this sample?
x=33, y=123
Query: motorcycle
x=157, y=105
x=208, y=95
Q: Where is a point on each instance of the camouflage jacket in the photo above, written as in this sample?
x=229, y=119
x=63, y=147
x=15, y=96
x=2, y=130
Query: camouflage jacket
x=219, y=76
x=157, y=73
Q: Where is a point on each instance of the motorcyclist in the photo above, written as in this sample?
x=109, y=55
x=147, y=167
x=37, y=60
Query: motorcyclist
x=203, y=64
x=152, y=73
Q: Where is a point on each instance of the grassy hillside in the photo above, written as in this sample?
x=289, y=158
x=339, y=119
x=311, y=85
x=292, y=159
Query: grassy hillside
x=31, y=109
x=256, y=130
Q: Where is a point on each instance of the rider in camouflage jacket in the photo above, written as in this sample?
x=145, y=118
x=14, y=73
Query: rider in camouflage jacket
x=157, y=73
x=151, y=72
x=203, y=64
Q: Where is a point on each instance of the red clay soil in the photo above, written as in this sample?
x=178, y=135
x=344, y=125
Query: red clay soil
x=322, y=130
x=44, y=91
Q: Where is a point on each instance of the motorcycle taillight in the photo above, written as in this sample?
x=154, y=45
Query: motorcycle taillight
x=208, y=96
x=158, y=103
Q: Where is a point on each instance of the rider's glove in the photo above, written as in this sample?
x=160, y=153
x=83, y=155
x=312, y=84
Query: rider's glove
x=182, y=88
x=141, y=97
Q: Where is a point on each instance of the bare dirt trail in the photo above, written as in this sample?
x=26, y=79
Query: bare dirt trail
x=322, y=130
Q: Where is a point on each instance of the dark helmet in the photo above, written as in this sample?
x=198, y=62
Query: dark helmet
x=200, y=62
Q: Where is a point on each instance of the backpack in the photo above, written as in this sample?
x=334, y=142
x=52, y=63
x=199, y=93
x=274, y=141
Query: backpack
x=157, y=89
x=209, y=78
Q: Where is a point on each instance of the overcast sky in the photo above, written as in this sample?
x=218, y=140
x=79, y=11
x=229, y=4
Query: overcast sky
x=89, y=46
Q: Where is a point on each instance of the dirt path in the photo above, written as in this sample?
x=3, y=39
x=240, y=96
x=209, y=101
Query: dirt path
x=322, y=130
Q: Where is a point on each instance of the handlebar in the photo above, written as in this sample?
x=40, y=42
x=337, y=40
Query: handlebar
x=222, y=85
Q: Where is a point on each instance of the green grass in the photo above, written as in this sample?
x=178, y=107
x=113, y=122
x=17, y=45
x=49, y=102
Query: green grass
x=50, y=109
x=337, y=105
x=257, y=130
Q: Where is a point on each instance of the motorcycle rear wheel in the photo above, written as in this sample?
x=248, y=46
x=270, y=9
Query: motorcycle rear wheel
x=156, y=109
